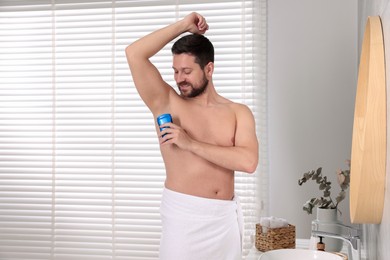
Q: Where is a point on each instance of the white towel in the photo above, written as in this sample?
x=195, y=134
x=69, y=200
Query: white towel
x=196, y=228
x=264, y=222
x=277, y=222
x=272, y=222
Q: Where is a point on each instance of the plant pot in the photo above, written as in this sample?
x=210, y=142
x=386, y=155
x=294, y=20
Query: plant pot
x=329, y=216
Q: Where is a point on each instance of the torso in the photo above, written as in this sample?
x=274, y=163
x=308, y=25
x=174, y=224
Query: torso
x=188, y=173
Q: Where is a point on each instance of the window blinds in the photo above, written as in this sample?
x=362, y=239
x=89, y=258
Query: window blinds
x=80, y=169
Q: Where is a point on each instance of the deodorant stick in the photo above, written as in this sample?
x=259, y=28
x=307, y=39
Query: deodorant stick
x=162, y=119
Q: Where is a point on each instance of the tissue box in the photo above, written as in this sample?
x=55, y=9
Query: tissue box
x=275, y=238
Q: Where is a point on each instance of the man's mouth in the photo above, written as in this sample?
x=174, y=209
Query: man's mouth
x=184, y=86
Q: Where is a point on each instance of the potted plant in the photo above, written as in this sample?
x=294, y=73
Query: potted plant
x=325, y=201
x=326, y=206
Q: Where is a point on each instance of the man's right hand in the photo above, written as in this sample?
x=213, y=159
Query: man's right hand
x=197, y=23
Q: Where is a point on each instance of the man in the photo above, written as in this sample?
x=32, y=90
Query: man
x=209, y=139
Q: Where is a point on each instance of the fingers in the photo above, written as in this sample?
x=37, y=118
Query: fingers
x=169, y=125
x=174, y=134
x=166, y=134
x=202, y=24
x=167, y=137
x=198, y=23
x=164, y=139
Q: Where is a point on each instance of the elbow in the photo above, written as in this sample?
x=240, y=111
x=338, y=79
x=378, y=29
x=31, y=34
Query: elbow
x=134, y=55
x=129, y=52
x=251, y=168
x=133, y=52
x=251, y=165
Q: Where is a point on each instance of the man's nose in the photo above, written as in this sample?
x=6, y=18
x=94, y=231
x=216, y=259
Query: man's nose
x=180, y=77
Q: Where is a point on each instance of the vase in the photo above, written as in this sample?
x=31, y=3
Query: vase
x=327, y=217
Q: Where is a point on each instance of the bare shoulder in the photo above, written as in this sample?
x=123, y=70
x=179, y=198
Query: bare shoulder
x=237, y=107
x=242, y=111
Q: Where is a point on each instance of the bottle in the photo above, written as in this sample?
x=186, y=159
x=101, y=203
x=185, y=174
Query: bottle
x=313, y=243
x=162, y=119
x=320, y=245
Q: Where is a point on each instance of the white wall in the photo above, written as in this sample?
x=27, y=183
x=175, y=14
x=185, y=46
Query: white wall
x=377, y=237
x=312, y=75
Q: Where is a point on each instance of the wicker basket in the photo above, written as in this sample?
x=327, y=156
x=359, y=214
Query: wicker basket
x=275, y=238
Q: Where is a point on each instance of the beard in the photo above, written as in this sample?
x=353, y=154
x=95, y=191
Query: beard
x=195, y=91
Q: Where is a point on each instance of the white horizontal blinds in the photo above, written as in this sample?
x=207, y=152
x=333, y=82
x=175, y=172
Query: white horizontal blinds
x=84, y=124
x=26, y=130
x=118, y=214
x=139, y=170
x=81, y=173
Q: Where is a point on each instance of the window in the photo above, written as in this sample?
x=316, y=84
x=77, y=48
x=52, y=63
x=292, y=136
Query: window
x=80, y=169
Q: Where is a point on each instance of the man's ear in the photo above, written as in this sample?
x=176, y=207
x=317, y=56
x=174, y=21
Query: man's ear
x=209, y=69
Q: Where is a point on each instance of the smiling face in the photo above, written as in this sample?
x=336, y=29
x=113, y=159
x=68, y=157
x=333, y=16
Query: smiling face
x=191, y=80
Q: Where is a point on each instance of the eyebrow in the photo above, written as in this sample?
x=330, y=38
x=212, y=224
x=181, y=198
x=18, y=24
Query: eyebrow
x=183, y=69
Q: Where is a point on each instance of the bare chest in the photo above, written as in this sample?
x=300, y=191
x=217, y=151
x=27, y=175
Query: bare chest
x=211, y=125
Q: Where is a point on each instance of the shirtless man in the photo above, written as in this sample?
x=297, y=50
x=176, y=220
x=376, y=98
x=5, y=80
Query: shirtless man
x=209, y=139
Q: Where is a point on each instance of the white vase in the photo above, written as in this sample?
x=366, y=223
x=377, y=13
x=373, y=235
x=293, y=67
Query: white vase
x=329, y=216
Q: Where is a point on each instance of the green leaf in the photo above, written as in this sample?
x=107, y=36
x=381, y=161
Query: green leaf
x=340, y=197
x=326, y=193
x=307, y=175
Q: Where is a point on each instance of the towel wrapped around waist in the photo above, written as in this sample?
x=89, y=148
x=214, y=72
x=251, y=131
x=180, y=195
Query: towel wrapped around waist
x=200, y=228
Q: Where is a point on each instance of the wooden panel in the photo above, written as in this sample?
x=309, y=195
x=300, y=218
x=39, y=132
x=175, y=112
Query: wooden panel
x=368, y=158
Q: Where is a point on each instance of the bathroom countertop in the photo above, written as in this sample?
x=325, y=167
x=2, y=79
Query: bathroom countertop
x=254, y=254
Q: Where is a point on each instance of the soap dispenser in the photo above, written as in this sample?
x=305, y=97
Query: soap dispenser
x=320, y=245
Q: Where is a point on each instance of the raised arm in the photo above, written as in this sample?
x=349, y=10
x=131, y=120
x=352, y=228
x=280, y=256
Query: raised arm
x=153, y=90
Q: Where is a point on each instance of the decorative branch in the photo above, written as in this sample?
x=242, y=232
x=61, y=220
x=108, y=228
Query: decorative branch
x=325, y=201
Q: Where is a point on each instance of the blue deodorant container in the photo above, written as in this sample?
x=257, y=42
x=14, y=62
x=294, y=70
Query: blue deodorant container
x=162, y=119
